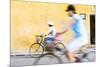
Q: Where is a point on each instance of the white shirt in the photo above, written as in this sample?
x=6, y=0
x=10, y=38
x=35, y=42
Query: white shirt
x=79, y=27
x=53, y=32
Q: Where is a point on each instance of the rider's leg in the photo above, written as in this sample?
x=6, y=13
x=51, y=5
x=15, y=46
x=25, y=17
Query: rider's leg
x=49, y=43
x=72, y=57
x=73, y=46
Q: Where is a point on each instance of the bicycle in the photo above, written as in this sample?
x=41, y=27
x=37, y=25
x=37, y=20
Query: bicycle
x=38, y=48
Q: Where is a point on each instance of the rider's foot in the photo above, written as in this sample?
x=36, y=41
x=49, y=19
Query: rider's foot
x=77, y=59
x=73, y=57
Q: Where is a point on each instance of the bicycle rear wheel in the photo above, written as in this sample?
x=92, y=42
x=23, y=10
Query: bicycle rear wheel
x=36, y=50
x=59, y=46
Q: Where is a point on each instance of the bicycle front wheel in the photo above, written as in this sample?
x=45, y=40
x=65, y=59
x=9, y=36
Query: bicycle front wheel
x=36, y=50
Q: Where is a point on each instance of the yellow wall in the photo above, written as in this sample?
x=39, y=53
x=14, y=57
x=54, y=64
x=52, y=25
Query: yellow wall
x=30, y=18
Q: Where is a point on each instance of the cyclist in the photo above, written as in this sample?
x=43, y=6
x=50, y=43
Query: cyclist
x=50, y=37
x=80, y=38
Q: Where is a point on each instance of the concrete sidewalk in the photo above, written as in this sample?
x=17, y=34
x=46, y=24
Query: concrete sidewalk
x=27, y=60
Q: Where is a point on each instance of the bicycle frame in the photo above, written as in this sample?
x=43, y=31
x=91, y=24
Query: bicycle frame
x=40, y=39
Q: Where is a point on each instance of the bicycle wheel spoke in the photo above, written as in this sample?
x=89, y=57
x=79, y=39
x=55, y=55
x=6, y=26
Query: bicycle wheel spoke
x=36, y=50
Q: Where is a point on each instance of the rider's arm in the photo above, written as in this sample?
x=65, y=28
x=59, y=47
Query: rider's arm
x=49, y=33
x=67, y=28
x=52, y=32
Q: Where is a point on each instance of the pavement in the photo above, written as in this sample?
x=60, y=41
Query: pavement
x=27, y=60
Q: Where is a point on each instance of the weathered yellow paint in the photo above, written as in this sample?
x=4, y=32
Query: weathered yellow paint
x=30, y=18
